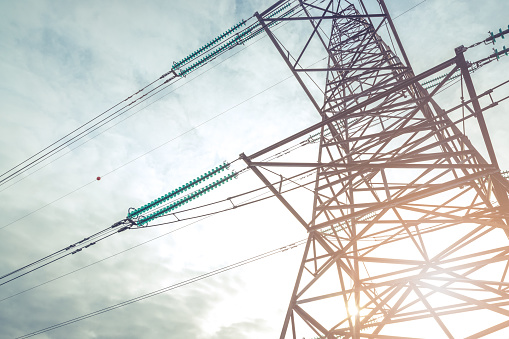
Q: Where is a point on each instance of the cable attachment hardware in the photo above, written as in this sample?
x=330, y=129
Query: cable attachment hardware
x=84, y=239
x=131, y=222
x=288, y=247
x=132, y=215
x=123, y=229
x=118, y=223
x=165, y=74
x=137, y=213
x=145, y=219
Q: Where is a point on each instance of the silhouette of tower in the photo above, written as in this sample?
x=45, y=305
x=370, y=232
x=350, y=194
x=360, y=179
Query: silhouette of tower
x=408, y=232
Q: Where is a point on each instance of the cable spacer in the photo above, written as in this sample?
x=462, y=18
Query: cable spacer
x=93, y=243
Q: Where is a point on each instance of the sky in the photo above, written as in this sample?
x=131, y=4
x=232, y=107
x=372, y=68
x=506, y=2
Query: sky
x=64, y=62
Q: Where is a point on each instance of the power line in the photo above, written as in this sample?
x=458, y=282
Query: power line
x=90, y=240
x=110, y=127
x=167, y=288
x=130, y=224
x=247, y=202
x=69, y=250
x=103, y=259
x=159, y=146
x=17, y=171
x=182, y=134
x=153, y=149
x=408, y=10
x=144, y=154
x=43, y=262
x=241, y=38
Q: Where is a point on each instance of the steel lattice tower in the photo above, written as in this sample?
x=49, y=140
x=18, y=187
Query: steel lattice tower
x=408, y=232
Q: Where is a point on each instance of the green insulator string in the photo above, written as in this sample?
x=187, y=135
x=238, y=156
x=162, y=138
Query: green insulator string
x=229, y=44
x=497, y=53
x=170, y=195
x=239, y=39
x=174, y=205
x=499, y=34
x=207, y=46
x=277, y=11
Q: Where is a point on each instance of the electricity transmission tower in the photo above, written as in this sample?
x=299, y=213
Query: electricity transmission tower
x=409, y=226
x=408, y=232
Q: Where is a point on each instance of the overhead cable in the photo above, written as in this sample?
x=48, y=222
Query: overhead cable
x=175, y=74
x=69, y=250
x=167, y=288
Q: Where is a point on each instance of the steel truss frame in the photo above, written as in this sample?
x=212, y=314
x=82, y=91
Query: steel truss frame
x=409, y=223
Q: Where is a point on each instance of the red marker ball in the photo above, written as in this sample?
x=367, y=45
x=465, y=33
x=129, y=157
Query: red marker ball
x=98, y=178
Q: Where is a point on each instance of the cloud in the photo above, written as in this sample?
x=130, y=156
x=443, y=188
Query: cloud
x=242, y=330
x=65, y=62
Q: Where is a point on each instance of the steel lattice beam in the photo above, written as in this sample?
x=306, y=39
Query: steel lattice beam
x=409, y=222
